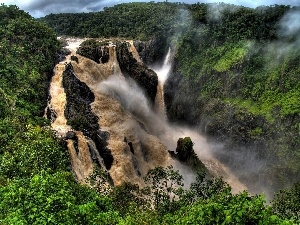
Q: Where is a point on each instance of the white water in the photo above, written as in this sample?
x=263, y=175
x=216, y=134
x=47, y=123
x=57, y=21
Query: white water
x=124, y=111
x=201, y=147
x=132, y=98
x=162, y=74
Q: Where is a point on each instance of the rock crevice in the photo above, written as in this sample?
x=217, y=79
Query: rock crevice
x=80, y=116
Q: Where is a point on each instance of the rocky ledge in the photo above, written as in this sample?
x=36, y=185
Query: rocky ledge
x=151, y=52
x=80, y=116
x=145, y=77
x=94, y=50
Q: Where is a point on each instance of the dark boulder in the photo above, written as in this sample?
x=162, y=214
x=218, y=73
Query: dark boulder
x=71, y=135
x=186, y=154
x=61, y=54
x=74, y=58
x=184, y=148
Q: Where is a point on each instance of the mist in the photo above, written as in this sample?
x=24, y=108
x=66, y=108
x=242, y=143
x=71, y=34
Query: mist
x=133, y=100
x=290, y=24
x=248, y=161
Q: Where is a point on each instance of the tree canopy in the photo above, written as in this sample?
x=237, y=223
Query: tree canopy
x=227, y=64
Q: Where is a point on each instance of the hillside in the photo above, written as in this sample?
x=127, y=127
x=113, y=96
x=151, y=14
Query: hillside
x=234, y=78
x=235, y=75
x=242, y=83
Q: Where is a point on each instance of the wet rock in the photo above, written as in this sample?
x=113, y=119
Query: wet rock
x=172, y=154
x=79, y=114
x=151, y=52
x=61, y=54
x=145, y=77
x=71, y=135
x=186, y=154
x=51, y=114
x=94, y=50
x=131, y=147
x=74, y=58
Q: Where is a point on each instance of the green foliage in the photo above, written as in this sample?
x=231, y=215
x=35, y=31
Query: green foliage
x=286, y=203
x=225, y=209
x=140, y=217
x=127, y=199
x=137, y=20
x=205, y=188
x=165, y=186
x=28, y=51
x=231, y=58
x=53, y=199
x=209, y=201
x=30, y=151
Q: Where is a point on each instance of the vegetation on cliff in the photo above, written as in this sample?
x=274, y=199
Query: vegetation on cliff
x=28, y=53
x=94, y=50
x=36, y=182
x=236, y=76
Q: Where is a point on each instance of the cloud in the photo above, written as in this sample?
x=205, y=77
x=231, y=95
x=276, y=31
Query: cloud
x=39, y=8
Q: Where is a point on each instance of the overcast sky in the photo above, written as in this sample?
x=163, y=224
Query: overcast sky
x=39, y=8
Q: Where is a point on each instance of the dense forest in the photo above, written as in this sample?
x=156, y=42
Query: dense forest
x=236, y=71
x=236, y=74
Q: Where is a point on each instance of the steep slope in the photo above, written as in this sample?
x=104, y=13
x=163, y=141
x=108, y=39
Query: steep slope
x=241, y=87
x=108, y=121
x=134, y=151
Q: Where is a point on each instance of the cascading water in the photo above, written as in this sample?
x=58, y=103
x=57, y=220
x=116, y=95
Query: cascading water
x=201, y=147
x=134, y=150
x=138, y=136
x=162, y=74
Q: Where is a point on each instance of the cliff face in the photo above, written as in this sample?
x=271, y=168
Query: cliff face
x=151, y=52
x=94, y=50
x=80, y=116
x=146, y=78
x=219, y=104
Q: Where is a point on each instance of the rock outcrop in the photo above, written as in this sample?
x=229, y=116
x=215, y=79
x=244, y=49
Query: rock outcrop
x=151, y=52
x=94, y=50
x=80, y=116
x=145, y=77
x=186, y=154
x=61, y=54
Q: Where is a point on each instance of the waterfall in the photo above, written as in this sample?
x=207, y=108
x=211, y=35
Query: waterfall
x=172, y=133
x=162, y=74
x=140, y=137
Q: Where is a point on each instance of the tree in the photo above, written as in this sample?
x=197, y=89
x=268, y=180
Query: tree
x=165, y=187
x=225, y=208
x=53, y=199
x=30, y=151
x=286, y=203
